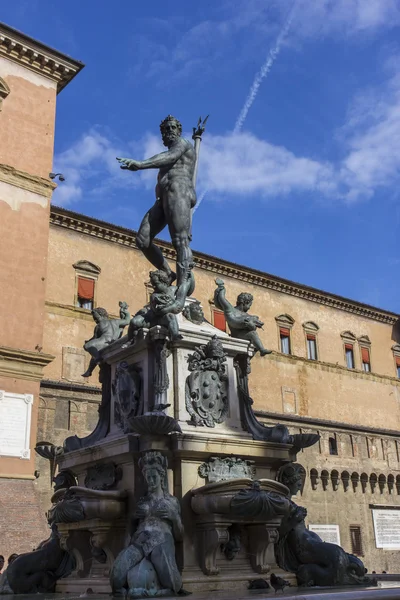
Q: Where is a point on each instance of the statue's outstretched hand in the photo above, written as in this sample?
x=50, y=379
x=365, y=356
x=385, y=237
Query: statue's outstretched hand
x=129, y=163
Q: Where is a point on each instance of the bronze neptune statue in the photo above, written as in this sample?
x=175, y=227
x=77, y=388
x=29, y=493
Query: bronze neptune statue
x=175, y=199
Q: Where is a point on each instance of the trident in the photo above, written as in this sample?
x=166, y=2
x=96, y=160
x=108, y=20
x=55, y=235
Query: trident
x=197, y=133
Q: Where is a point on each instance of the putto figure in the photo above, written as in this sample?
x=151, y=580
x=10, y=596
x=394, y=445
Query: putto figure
x=106, y=331
x=241, y=324
x=175, y=199
x=158, y=313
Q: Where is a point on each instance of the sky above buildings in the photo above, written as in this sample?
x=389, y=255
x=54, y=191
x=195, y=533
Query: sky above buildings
x=300, y=164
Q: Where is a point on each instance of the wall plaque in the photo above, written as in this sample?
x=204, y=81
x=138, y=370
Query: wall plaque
x=387, y=528
x=15, y=424
x=327, y=533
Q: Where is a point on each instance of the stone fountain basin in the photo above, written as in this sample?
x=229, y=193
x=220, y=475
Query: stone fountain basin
x=217, y=497
x=97, y=504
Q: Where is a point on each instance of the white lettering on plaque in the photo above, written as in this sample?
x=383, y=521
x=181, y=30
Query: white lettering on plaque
x=387, y=528
x=15, y=424
x=327, y=533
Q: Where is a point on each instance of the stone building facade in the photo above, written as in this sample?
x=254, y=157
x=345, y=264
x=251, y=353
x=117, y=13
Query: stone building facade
x=334, y=369
x=31, y=76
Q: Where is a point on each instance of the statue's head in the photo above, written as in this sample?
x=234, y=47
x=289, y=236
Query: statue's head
x=99, y=313
x=244, y=301
x=194, y=313
x=154, y=470
x=292, y=475
x=214, y=348
x=170, y=129
x=158, y=278
x=64, y=479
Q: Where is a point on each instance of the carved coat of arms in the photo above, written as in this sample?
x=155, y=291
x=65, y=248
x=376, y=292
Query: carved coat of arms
x=207, y=385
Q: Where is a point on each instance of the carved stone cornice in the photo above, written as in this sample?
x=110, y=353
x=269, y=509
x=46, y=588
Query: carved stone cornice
x=21, y=179
x=127, y=237
x=38, y=57
x=23, y=364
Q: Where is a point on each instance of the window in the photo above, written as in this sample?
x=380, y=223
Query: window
x=365, y=359
x=396, y=355
x=333, y=450
x=355, y=538
x=219, y=320
x=311, y=331
x=85, y=296
x=285, y=340
x=349, y=355
x=86, y=276
x=311, y=347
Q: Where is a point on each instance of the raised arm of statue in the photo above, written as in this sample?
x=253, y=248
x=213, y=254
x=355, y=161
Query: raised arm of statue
x=164, y=159
x=220, y=300
x=124, y=315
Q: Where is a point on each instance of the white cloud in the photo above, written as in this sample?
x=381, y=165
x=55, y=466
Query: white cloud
x=240, y=164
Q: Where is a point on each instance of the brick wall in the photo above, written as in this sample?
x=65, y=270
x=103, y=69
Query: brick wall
x=19, y=505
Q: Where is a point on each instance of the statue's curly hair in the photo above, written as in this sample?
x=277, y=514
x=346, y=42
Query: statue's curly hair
x=155, y=460
x=171, y=118
x=289, y=473
x=101, y=312
x=162, y=276
x=244, y=297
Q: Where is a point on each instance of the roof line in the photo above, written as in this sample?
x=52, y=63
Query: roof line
x=63, y=217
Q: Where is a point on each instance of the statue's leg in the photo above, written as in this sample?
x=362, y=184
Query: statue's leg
x=163, y=559
x=177, y=206
x=173, y=327
x=257, y=343
x=153, y=222
x=93, y=348
x=125, y=561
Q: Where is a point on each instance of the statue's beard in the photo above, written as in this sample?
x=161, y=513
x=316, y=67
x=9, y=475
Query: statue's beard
x=169, y=138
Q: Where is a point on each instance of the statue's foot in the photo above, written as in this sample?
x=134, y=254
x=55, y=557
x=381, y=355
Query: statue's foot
x=176, y=337
x=265, y=352
x=87, y=373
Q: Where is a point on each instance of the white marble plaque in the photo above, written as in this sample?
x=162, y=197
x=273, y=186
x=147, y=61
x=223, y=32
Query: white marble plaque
x=387, y=528
x=15, y=424
x=327, y=533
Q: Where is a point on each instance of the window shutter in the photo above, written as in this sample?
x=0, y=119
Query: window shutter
x=85, y=288
x=398, y=361
x=219, y=320
x=365, y=355
x=348, y=346
x=356, y=542
x=311, y=336
x=284, y=332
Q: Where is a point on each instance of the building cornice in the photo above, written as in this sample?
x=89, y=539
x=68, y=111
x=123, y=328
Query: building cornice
x=337, y=426
x=26, y=181
x=38, y=57
x=127, y=237
x=23, y=364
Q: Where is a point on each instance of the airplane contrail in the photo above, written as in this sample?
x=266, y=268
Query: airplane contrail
x=258, y=79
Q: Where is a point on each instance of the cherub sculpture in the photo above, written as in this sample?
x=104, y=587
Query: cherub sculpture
x=241, y=324
x=157, y=313
x=106, y=331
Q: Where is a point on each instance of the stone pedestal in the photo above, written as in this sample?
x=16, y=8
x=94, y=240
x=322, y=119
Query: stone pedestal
x=151, y=376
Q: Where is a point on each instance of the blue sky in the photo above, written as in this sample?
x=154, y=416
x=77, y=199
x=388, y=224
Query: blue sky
x=301, y=157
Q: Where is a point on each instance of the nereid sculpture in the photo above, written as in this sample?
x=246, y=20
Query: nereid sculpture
x=147, y=567
x=315, y=563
